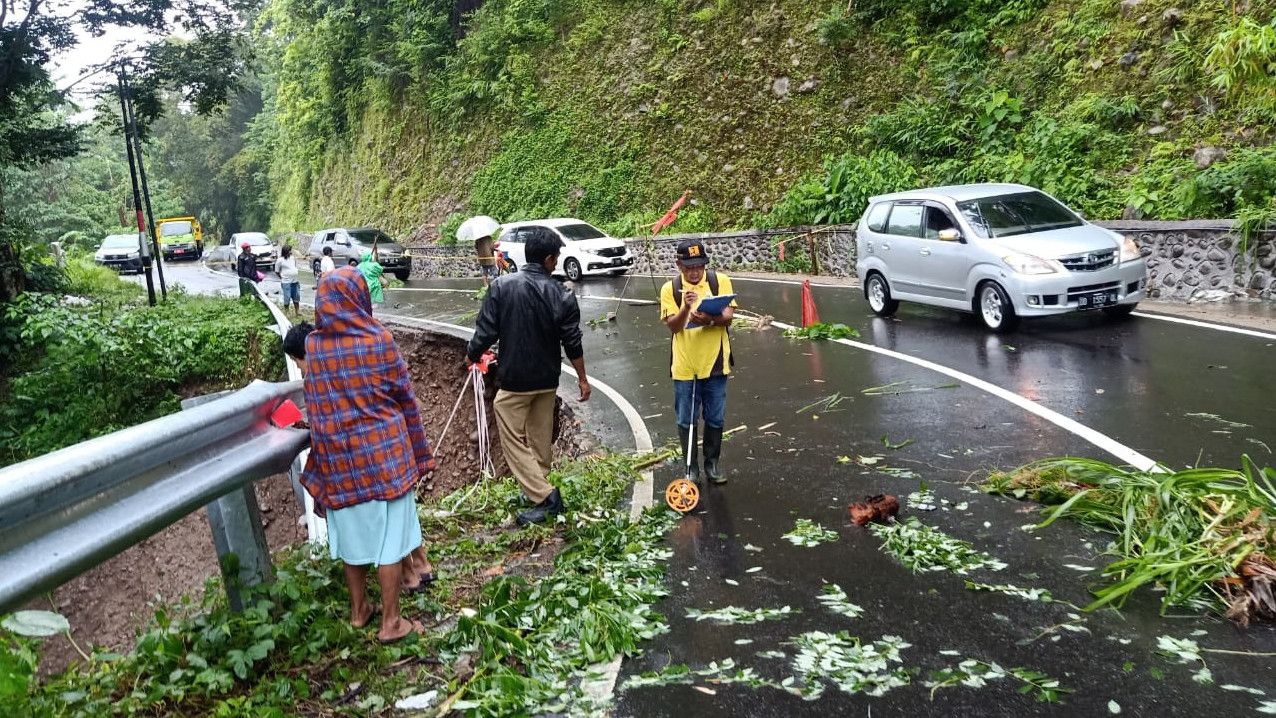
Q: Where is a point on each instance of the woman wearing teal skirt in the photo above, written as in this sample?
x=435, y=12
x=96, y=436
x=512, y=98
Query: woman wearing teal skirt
x=367, y=450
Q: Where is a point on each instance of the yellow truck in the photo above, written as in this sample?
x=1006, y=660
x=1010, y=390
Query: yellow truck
x=180, y=237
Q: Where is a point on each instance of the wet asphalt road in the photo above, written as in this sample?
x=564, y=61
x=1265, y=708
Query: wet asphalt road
x=1138, y=381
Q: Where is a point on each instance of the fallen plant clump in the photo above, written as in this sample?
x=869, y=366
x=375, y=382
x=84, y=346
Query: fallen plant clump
x=733, y=615
x=854, y=667
x=1205, y=535
x=922, y=548
x=974, y=673
x=835, y=599
x=722, y=672
x=1028, y=594
x=808, y=533
x=822, y=331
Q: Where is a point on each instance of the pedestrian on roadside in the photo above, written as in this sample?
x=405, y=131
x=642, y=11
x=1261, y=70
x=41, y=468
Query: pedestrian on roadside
x=372, y=272
x=325, y=263
x=532, y=316
x=246, y=268
x=485, y=250
x=289, y=283
x=367, y=450
x=700, y=354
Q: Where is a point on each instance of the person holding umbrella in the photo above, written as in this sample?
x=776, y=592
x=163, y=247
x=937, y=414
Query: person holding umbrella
x=481, y=231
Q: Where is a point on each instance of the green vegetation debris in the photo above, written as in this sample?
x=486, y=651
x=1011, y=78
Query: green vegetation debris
x=835, y=599
x=722, y=672
x=1028, y=594
x=893, y=445
x=921, y=548
x=808, y=533
x=1205, y=535
x=974, y=673
x=515, y=645
x=734, y=615
x=1185, y=650
x=852, y=667
x=821, y=331
x=1218, y=419
x=904, y=387
x=828, y=403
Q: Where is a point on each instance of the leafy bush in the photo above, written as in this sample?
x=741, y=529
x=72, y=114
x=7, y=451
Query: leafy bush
x=842, y=193
x=83, y=370
x=448, y=227
x=1243, y=62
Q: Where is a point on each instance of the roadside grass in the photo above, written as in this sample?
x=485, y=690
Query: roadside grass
x=517, y=621
x=93, y=358
x=1207, y=536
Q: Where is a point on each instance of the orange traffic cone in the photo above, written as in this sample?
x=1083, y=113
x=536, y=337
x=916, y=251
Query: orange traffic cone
x=809, y=315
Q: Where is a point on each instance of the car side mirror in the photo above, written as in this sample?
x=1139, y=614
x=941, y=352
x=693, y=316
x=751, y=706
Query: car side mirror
x=949, y=235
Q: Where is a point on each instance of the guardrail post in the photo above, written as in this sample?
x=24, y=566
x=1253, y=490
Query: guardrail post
x=238, y=535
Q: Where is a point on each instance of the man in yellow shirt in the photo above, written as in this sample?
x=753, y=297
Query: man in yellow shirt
x=701, y=353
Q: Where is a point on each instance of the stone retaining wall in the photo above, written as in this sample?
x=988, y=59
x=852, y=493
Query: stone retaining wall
x=1186, y=260
x=1202, y=259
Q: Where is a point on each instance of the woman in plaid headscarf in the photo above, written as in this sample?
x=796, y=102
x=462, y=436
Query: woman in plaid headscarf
x=368, y=448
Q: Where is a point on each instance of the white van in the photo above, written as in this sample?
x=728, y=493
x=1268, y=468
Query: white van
x=587, y=250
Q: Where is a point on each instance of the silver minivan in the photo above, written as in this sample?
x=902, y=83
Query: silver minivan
x=1001, y=251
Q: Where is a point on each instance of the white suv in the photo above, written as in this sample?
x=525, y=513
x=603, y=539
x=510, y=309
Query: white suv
x=1001, y=251
x=587, y=250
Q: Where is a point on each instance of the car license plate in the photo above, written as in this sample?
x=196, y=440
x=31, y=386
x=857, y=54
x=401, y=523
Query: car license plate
x=179, y=251
x=1096, y=300
x=618, y=261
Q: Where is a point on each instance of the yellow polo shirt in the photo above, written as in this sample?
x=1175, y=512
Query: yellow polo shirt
x=704, y=351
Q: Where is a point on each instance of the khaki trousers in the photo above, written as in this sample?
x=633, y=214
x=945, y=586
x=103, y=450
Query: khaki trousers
x=525, y=420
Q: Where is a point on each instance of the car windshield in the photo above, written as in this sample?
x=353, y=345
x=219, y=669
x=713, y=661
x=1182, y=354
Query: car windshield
x=368, y=236
x=120, y=241
x=1020, y=213
x=172, y=229
x=255, y=239
x=575, y=232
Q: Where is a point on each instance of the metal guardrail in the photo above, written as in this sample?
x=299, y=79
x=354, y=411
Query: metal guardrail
x=65, y=512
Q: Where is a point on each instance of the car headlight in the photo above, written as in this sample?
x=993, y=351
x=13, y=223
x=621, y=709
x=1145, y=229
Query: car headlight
x=407, y=253
x=133, y=255
x=1029, y=264
x=1129, y=250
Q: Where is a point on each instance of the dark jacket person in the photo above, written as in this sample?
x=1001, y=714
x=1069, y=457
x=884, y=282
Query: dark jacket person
x=532, y=316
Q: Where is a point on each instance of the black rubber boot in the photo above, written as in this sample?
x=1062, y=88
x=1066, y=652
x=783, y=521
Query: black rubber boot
x=684, y=433
x=712, y=451
x=544, y=511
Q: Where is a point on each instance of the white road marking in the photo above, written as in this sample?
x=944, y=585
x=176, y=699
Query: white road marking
x=1206, y=325
x=1099, y=439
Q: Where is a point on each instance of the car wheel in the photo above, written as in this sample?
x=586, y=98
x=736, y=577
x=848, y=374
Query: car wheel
x=995, y=309
x=402, y=275
x=1120, y=311
x=878, y=294
x=572, y=268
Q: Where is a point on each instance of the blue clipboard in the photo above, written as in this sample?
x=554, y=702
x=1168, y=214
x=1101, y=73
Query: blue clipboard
x=712, y=306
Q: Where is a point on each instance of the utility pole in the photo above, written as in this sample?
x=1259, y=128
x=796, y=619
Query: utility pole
x=143, y=250
x=146, y=191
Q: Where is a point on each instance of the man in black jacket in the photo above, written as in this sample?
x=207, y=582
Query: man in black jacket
x=531, y=314
x=246, y=268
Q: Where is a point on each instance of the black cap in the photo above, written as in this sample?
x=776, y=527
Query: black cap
x=691, y=253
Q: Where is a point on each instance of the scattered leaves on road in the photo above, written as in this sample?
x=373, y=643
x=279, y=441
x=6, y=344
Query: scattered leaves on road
x=734, y=615
x=808, y=533
x=835, y=599
x=921, y=548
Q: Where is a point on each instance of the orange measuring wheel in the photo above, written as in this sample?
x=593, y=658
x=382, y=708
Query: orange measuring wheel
x=682, y=495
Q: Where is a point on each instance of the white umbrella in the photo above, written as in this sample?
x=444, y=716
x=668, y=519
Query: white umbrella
x=475, y=227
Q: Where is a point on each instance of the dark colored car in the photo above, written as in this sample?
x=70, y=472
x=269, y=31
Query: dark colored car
x=350, y=244
x=120, y=252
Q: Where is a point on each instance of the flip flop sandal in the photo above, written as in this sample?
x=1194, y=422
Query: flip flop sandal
x=426, y=581
x=418, y=629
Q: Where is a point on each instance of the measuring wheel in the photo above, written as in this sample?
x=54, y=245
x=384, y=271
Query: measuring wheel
x=682, y=495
